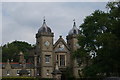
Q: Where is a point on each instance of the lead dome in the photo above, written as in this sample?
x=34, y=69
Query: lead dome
x=74, y=30
x=44, y=28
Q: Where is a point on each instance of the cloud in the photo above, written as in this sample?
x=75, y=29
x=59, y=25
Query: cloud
x=57, y=0
x=21, y=20
x=0, y=23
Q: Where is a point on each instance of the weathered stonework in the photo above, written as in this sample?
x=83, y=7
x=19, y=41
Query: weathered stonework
x=46, y=54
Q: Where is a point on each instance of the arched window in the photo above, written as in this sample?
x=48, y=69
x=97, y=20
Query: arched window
x=75, y=32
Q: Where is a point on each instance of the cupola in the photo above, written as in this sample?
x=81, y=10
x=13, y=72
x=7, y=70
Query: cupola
x=74, y=30
x=44, y=28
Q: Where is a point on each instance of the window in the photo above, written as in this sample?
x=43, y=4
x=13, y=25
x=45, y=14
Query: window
x=38, y=59
x=18, y=72
x=29, y=72
x=8, y=72
x=57, y=57
x=62, y=60
x=74, y=32
x=47, y=73
x=38, y=73
x=47, y=58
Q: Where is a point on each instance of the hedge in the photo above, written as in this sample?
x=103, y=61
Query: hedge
x=25, y=78
x=32, y=78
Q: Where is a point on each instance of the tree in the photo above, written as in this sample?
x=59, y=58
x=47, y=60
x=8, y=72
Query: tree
x=100, y=42
x=12, y=50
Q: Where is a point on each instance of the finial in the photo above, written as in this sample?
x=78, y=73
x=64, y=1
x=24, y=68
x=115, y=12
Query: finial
x=44, y=18
x=74, y=25
x=74, y=20
x=60, y=36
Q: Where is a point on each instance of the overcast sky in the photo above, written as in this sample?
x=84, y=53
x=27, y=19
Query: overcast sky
x=21, y=20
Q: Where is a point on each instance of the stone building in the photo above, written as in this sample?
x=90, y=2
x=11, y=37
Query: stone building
x=61, y=52
x=11, y=69
x=47, y=53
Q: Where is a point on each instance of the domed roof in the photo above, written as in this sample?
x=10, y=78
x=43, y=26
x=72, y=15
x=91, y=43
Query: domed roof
x=74, y=30
x=44, y=28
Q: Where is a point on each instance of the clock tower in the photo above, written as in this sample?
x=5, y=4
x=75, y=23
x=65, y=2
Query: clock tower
x=44, y=42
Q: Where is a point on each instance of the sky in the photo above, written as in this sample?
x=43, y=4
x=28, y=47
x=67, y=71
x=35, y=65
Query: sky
x=21, y=20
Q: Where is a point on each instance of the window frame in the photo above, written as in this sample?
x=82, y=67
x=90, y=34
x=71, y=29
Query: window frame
x=62, y=60
x=47, y=58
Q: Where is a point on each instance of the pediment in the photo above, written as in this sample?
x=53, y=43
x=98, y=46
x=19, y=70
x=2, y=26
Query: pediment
x=61, y=46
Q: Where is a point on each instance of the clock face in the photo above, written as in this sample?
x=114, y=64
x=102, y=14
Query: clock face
x=47, y=43
x=61, y=47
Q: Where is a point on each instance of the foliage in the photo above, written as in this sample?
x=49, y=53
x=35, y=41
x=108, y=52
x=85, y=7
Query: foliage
x=12, y=50
x=25, y=78
x=100, y=42
x=68, y=74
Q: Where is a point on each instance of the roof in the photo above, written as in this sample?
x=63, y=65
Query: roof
x=44, y=28
x=17, y=65
x=56, y=72
x=74, y=30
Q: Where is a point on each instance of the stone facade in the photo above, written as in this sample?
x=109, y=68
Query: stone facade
x=13, y=69
x=48, y=53
x=60, y=52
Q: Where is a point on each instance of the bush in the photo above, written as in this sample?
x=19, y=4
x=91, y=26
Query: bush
x=25, y=78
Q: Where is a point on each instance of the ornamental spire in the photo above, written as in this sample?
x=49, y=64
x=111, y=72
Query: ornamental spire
x=74, y=25
x=44, y=24
x=44, y=27
x=44, y=20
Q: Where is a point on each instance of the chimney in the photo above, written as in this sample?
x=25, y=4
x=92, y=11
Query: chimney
x=21, y=60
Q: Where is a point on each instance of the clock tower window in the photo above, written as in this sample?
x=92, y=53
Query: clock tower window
x=47, y=58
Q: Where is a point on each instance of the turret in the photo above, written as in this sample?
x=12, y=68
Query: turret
x=44, y=42
x=72, y=36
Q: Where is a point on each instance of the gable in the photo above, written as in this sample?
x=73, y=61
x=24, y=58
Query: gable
x=61, y=46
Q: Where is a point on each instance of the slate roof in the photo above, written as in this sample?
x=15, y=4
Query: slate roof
x=17, y=65
x=44, y=28
x=74, y=30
